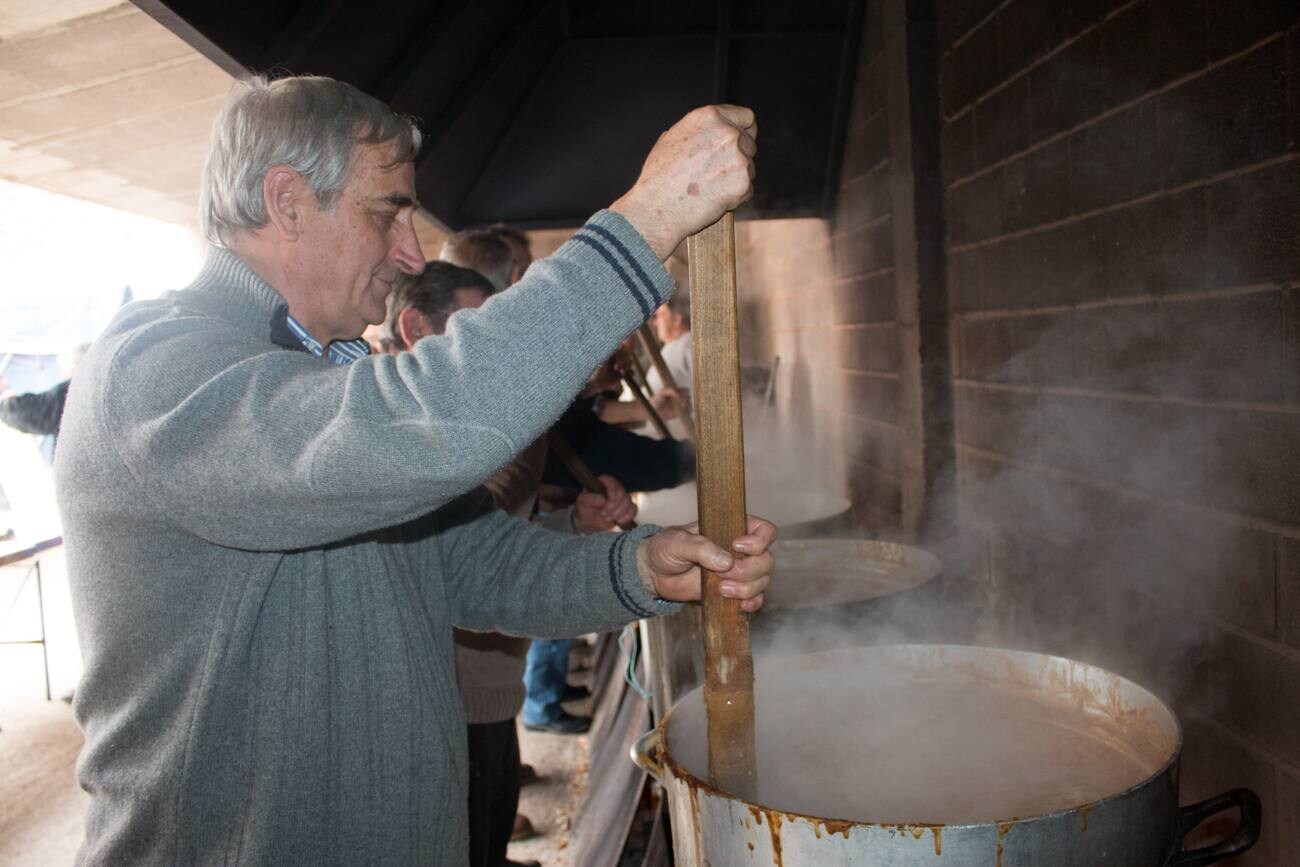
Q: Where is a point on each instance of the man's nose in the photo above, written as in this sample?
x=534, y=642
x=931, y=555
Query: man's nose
x=407, y=254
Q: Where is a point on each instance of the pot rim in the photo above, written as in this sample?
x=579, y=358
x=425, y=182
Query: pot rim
x=834, y=825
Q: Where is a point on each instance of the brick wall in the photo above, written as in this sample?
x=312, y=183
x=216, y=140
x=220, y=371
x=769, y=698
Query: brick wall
x=1122, y=198
x=831, y=299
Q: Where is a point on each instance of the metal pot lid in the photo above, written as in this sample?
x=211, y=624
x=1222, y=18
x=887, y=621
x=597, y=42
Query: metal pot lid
x=812, y=573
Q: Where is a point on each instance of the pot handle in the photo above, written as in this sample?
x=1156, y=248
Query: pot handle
x=1243, y=838
x=645, y=753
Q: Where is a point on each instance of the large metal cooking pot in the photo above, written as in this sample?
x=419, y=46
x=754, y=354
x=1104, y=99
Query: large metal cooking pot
x=954, y=803
x=797, y=512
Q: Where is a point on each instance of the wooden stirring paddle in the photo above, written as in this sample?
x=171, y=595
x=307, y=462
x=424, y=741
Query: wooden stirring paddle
x=720, y=461
x=651, y=345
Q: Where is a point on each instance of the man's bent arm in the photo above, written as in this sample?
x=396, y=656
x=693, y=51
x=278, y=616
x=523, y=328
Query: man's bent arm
x=276, y=450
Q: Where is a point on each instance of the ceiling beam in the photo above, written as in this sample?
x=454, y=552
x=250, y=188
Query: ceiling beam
x=306, y=26
x=843, y=101
x=722, y=52
x=417, y=49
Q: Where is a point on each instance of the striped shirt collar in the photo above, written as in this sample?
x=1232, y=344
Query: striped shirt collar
x=339, y=352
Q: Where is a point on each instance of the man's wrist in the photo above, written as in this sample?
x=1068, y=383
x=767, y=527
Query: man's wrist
x=643, y=570
x=649, y=225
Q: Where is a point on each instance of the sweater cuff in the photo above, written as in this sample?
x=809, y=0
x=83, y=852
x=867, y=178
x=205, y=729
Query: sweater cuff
x=622, y=249
x=626, y=580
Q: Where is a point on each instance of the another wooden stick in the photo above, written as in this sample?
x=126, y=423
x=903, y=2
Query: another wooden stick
x=578, y=467
x=653, y=414
x=651, y=344
x=728, y=663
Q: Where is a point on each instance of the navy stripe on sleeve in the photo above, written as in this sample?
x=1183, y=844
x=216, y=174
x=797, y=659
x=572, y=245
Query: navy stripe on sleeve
x=615, y=578
x=646, y=309
x=627, y=254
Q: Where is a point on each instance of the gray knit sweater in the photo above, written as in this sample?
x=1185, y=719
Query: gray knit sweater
x=263, y=594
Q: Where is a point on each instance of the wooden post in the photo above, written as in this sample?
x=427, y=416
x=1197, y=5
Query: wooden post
x=578, y=467
x=728, y=663
x=650, y=411
x=651, y=344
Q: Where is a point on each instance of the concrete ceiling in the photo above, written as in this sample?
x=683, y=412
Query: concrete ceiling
x=100, y=102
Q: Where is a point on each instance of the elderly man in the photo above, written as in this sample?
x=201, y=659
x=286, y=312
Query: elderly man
x=270, y=535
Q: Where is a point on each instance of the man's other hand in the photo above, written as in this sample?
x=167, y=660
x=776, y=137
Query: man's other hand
x=671, y=403
x=669, y=563
x=700, y=168
x=593, y=513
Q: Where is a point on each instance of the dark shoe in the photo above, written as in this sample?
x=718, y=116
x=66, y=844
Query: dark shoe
x=575, y=693
x=564, y=724
x=527, y=774
x=523, y=829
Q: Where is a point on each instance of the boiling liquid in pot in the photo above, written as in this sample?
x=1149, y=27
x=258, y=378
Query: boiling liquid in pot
x=873, y=747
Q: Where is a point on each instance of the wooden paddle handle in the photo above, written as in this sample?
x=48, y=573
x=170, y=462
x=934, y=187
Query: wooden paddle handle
x=579, y=469
x=651, y=344
x=720, y=462
x=655, y=418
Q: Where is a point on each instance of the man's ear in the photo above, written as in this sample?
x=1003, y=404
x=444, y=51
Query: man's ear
x=412, y=325
x=284, y=192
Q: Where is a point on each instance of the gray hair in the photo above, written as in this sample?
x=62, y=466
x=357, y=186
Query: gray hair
x=482, y=250
x=310, y=123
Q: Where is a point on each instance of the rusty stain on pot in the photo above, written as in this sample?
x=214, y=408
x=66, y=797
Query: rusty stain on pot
x=1004, y=828
x=1083, y=815
x=774, y=826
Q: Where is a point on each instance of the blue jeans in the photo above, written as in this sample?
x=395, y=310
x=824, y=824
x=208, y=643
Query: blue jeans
x=545, y=677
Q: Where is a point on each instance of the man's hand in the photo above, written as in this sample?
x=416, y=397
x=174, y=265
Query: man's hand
x=699, y=169
x=593, y=513
x=669, y=563
x=671, y=403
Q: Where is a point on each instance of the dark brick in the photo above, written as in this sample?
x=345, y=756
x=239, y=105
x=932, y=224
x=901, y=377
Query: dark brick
x=872, y=396
x=965, y=279
x=1002, y=123
x=982, y=273
x=998, y=420
x=1046, y=180
x=1293, y=87
x=1079, y=14
x=1150, y=44
x=863, y=199
x=957, y=148
x=1069, y=88
x=1010, y=497
x=870, y=348
x=877, y=501
x=864, y=299
x=1014, y=196
x=1063, y=265
x=1213, y=762
x=868, y=91
x=1115, y=159
x=873, y=33
x=1253, y=464
x=1230, y=117
x=1291, y=344
x=1043, y=347
x=985, y=348
x=865, y=147
x=1158, y=246
x=974, y=209
x=1288, y=587
x=1254, y=233
x=957, y=19
x=1118, y=348
x=1256, y=689
x=1224, y=348
x=865, y=250
x=876, y=445
x=1152, y=447
x=970, y=70
x=1288, y=823
x=1027, y=30
x=1236, y=24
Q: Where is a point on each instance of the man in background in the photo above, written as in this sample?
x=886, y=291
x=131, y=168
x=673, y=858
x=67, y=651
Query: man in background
x=484, y=251
x=490, y=665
